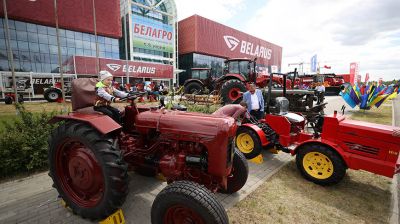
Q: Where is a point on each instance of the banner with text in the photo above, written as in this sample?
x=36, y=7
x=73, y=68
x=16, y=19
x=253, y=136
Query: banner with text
x=152, y=35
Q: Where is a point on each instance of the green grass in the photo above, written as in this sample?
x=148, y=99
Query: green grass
x=287, y=197
x=7, y=118
x=381, y=115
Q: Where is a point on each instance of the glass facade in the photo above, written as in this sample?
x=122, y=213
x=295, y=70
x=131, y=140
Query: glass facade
x=35, y=46
x=193, y=60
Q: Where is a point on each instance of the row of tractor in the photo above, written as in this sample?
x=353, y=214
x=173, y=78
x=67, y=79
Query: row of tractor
x=239, y=72
x=90, y=154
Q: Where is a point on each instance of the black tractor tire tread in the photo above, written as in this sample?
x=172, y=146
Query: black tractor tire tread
x=190, y=85
x=339, y=165
x=256, y=139
x=192, y=194
x=240, y=173
x=115, y=175
x=227, y=86
x=48, y=91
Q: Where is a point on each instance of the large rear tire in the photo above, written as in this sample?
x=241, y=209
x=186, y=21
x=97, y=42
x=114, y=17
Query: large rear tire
x=89, y=174
x=187, y=202
x=248, y=142
x=240, y=172
x=52, y=94
x=193, y=87
x=230, y=91
x=320, y=164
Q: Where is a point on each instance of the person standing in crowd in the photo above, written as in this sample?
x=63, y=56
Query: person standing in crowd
x=255, y=101
x=107, y=94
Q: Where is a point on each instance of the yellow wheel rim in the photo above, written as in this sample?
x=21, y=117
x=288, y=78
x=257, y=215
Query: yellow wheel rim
x=245, y=143
x=318, y=165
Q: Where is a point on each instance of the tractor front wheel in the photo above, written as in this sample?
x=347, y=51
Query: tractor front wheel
x=52, y=94
x=89, y=174
x=248, y=142
x=193, y=87
x=240, y=172
x=320, y=164
x=231, y=91
x=8, y=100
x=187, y=202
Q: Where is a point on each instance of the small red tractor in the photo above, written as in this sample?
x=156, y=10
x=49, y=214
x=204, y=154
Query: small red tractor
x=90, y=154
x=238, y=74
x=331, y=82
x=335, y=145
x=9, y=98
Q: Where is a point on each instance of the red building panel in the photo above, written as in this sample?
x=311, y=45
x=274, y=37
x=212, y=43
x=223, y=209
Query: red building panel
x=201, y=35
x=87, y=65
x=74, y=15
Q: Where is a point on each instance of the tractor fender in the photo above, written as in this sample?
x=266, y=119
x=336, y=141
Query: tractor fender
x=260, y=133
x=193, y=80
x=233, y=76
x=335, y=147
x=102, y=123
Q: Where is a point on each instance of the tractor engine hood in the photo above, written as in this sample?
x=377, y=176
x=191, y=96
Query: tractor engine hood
x=216, y=133
x=180, y=122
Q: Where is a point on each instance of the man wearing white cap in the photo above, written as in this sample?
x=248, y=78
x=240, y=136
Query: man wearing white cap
x=106, y=94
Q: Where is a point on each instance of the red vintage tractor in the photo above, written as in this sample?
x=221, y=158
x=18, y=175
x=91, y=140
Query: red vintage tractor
x=90, y=154
x=335, y=145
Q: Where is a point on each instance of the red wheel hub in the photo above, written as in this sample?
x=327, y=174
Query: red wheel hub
x=80, y=174
x=234, y=94
x=182, y=214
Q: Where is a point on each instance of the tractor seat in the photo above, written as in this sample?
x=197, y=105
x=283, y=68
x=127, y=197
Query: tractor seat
x=294, y=118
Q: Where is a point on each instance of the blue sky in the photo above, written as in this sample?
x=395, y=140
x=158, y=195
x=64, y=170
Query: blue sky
x=339, y=32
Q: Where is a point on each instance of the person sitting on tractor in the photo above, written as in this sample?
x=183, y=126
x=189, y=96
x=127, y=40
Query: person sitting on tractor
x=107, y=94
x=255, y=101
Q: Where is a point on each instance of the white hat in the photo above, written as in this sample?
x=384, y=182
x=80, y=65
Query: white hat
x=104, y=74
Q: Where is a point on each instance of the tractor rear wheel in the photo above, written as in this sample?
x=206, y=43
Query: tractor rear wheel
x=187, y=202
x=193, y=87
x=248, y=142
x=89, y=174
x=230, y=91
x=240, y=172
x=320, y=164
x=52, y=94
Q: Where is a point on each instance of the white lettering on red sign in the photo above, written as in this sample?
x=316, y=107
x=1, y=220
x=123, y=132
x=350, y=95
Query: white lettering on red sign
x=152, y=32
x=248, y=47
x=132, y=68
x=258, y=51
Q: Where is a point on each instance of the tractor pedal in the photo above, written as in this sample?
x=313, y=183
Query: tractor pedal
x=116, y=218
x=257, y=160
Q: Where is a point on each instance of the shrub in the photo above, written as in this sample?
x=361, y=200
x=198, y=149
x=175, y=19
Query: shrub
x=23, y=142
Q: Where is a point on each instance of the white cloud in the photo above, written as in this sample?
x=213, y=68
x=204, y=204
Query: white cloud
x=340, y=32
x=217, y=10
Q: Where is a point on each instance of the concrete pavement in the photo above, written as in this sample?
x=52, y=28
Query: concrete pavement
x=33, y=200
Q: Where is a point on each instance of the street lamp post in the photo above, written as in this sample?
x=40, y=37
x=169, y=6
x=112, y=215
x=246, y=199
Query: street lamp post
x=59, y=52
x=10, y=54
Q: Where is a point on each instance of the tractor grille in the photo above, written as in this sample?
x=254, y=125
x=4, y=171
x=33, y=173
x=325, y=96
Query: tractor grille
x=362, y=148
x=231, y=151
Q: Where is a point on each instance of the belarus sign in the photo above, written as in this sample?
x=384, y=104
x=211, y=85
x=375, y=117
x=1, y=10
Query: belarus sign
x=152, y=35
x=87, y=65
x=248, y=48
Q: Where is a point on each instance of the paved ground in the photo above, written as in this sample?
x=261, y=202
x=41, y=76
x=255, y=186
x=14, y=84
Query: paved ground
x=32, y=200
